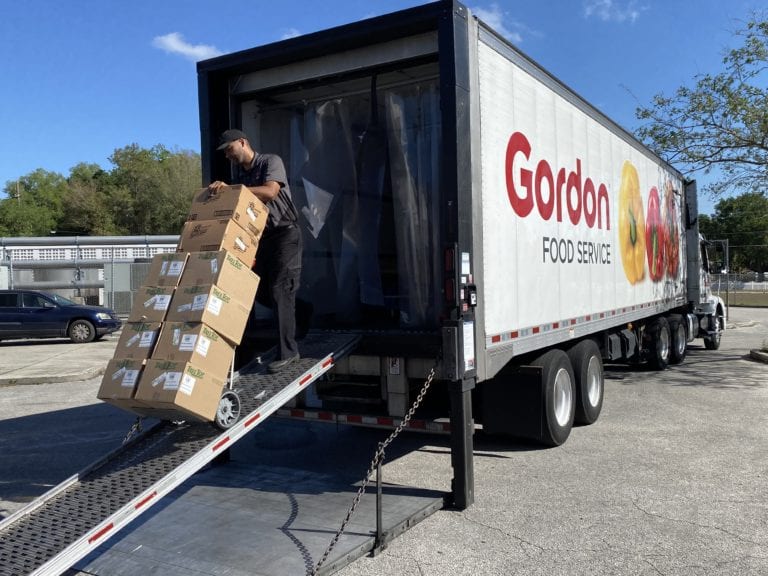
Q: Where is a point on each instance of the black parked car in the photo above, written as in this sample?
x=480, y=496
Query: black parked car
x=34, y=314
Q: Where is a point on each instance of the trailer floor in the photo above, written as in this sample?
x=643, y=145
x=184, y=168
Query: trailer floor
x=272, y=510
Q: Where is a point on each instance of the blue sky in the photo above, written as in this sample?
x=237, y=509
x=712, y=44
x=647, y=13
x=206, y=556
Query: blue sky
x=81, y=78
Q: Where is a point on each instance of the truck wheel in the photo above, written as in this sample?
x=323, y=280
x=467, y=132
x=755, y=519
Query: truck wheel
x=678, y=338
x=81, y=331
x=713, y=342
x=657, y=343
x=559, y=394
x=590, y=382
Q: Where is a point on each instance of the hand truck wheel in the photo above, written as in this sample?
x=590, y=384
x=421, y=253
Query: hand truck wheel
x=228, y=411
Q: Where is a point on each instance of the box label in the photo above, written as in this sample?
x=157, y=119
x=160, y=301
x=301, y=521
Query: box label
x=187, y=384
x=203, y=345
x=198, y=302
x=168, y=380
x=130, y=378
x=173, y=268
x=187, y=343
x=147, y=339
x=214, y=305
x=158, y=302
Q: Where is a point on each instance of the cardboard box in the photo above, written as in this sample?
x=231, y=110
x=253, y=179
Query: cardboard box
x=166, y=269
x=120, y=381
x=212, y=306
x=215, y=235
x=234, y=202
x=150, y=304
x=137, y=340
x=168, y=387
x=197, y=344
x=223, y=269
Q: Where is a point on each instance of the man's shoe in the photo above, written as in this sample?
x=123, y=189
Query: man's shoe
x=278, y=365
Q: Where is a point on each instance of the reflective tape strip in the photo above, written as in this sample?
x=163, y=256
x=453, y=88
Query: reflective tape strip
x=98, y=534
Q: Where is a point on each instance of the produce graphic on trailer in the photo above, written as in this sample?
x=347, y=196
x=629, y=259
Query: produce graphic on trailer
x=654, y=237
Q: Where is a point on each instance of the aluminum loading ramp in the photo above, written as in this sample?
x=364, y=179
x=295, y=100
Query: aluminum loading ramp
x=271, y=511
x=52, y=533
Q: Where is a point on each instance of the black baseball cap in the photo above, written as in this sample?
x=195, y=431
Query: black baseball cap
x=229, y=136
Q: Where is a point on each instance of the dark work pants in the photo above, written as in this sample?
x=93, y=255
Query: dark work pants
x=278, y=265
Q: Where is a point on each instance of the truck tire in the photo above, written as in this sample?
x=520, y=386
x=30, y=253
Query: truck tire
x=678, y=334
x=713, y=342
x=559, y=396
x=587, y=366
x=657, y=343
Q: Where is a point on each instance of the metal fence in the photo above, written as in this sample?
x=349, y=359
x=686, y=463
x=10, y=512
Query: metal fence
x=91, y=269
x=744, y=282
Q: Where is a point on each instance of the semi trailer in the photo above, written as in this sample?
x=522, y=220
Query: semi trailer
x=462, y=207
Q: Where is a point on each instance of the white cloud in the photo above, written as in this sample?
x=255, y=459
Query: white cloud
x=289, y=33
x=495, y=18
x=613, y=10
x=174, y=43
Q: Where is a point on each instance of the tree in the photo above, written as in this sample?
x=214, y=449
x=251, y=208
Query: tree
x=148, y=191
x=88, y=205
x=721, y=123
x=34, y=204
x=157, y=187
x=743, y=221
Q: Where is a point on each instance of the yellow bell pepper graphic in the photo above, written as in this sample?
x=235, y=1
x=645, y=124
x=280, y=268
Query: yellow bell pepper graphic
x=631, y=224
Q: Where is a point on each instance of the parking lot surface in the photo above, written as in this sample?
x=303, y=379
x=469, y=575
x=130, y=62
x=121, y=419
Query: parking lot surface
x=672, y=479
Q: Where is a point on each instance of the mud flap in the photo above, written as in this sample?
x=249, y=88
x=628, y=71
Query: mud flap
x=513, y=403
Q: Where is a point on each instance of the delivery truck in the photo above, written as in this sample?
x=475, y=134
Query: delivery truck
x=461, y=207
x=478, y=242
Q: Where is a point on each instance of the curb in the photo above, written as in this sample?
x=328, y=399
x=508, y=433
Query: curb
x=759, y=355
x=86, y=374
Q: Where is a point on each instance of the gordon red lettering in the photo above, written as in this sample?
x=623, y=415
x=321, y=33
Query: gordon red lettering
x=553, y=192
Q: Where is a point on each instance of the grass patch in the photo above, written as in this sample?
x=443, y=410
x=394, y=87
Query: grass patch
x=746, y=299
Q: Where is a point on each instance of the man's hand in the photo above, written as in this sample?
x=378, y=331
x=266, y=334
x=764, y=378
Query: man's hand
x=215, y=187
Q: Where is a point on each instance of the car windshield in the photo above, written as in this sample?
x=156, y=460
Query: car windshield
x=60, y=300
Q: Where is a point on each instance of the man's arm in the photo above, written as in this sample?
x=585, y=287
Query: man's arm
x=265, y=193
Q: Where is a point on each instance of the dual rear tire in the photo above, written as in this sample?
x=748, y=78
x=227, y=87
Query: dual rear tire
x=573, y=389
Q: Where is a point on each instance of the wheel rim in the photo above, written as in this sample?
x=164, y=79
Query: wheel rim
x=663, y=344
x=80, y=331
x=680, y=340
x=563, y=397
x=228, y=411
x=594, y=381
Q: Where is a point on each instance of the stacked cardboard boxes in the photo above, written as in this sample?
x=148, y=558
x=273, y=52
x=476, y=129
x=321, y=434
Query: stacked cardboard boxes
x=177, y=347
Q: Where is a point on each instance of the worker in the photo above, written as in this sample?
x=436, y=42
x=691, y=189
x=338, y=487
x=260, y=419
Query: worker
x=278, y=263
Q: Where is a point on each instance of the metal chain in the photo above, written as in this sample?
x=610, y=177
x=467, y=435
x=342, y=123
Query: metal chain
x=134, y=429
x=378, y=456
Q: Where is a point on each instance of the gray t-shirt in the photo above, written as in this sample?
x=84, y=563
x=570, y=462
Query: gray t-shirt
x=265, y=168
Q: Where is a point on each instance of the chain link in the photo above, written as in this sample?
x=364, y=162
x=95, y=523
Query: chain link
x=378, y=457
x=136, y=428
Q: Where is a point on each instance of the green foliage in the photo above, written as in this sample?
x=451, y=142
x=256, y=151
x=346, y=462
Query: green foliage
x=743, y=221
x=148, y=191
x=34, y=204
x=721, y=124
